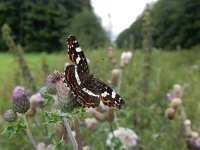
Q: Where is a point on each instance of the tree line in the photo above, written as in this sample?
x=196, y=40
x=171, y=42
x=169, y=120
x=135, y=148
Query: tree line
x=43, y=25
x=175, y=23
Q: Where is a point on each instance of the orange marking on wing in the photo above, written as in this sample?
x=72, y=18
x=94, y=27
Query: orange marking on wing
x=73, y=58
x=69, y=80
x=105, y=100
x=87, y=103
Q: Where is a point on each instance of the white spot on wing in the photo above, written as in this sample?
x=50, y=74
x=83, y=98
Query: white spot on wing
x=89, y=92
x=78, y=59
x=78, y=49
x=77, y=77
x=104, y=94
x=113, y=94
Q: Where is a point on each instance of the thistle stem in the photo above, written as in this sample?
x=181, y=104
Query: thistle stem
x=77, y=130
x=69, y=131
x=28, y=132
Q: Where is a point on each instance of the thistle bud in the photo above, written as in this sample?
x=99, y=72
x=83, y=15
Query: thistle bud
x=125, y=58
x=50, y=87
x=188, y=128
x=110, y=53
x=195, y=135
x=169, y=96
x=175, y=103
x=170, y=113
x=177, y=91
x=37, y=100
x=44, y=92
x=91, y=123
x=193, y=143
x=115, y=76
x=20, y=100
x=10, y=115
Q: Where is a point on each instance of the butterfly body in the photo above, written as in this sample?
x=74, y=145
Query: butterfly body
x=89, y=90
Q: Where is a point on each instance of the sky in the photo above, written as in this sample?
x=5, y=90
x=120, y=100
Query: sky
x=122, y=12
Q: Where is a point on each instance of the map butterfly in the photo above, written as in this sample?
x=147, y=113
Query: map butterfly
x=88, y=89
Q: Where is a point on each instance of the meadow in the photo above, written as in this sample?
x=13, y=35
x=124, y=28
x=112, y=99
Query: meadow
x=147, y=119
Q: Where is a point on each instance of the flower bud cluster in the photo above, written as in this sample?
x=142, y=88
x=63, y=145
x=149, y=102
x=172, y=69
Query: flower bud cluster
x=193, y=139
x=20, y=102
x=175, y=101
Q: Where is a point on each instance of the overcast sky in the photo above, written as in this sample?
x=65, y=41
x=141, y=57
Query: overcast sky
x=122, y=12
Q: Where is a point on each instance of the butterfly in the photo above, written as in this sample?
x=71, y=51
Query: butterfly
x=88, y=89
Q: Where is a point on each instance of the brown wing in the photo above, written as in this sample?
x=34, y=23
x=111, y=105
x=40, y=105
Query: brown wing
x=76, y=54
x=108, y=96
x=85, y=97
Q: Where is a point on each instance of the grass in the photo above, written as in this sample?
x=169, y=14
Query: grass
x=155, y=132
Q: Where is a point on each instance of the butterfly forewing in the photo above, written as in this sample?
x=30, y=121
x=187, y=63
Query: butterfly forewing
x=76, y=54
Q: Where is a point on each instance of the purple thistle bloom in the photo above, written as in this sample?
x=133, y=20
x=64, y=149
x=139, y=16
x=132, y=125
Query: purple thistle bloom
x=10, y=115
x=197, y=142
x=169, y=96
x=65, y=98
x=40, y=99
x=20, y=100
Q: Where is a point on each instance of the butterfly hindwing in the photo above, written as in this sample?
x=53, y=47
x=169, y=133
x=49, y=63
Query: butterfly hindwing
x=85, y=97
x=108, y=96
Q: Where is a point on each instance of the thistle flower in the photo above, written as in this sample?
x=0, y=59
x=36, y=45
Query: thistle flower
x=20, y=100
x=65, y=98
x=127, y=136
x=87, y=148
x=10, y=115
x=175, y=103
x=91, y=123
x=115, y=76
x=195, y=135
x=193, y=143
x=197, y=142
x=43, y=146
x=170, y=113
x=169, y=96
x=188, y=128
x=37, y=100
x=44, y=92
x=110, y=52
x=50, y=87
x=177, y=91
x=125, y=58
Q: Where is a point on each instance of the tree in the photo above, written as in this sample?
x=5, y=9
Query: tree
x=86, y=27
x=40, y=25
x=175, y=23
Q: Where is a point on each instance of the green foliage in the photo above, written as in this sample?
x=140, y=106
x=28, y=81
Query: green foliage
x=43, y=25
x=13, y=129
x=85, y=26
x=175, y=23
x=149, y=122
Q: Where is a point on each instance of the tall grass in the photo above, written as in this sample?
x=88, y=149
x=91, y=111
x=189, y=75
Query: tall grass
x=154, y=130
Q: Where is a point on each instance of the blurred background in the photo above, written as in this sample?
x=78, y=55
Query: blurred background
x=147, y=50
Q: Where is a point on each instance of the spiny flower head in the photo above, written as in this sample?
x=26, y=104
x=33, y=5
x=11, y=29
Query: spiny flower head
x=127, y=136
x=37, y=100
x=125, y=58
x=65, y=98
x=20, y=100
x=10, y=115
